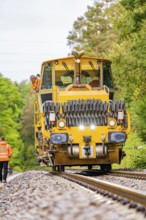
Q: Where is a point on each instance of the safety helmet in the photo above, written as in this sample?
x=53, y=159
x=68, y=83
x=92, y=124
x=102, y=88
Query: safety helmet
x=32, y=77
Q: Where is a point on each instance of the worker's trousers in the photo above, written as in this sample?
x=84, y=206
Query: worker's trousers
x=3, y=165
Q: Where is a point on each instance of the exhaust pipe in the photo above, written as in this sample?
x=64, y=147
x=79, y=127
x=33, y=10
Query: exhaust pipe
x=77, y=56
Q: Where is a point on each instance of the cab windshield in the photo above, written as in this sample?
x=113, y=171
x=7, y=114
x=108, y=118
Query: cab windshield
x=64, y=74
x=90, y=74
x=91, y=71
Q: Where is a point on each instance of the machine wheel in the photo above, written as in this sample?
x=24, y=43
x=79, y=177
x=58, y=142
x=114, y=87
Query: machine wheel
x=54, y=168
x=60, y=168
x=106, y=167
x=89, y=167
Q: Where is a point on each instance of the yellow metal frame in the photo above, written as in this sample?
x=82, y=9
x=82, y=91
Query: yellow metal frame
x=77, y=92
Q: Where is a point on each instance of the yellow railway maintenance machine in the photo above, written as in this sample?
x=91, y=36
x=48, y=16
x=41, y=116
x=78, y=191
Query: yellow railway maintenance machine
x=77, y=123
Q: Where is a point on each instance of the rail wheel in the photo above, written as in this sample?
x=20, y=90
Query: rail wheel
x=60, y=168
x=106, y=167
x=89, y=167
x=54, y=168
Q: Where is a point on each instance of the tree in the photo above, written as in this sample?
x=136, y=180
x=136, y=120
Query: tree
x=27, y=152
x=11, y=104
x=93, y=32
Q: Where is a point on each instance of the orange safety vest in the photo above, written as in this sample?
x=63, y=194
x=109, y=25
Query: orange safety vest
x=5, y=151
x=36, y=83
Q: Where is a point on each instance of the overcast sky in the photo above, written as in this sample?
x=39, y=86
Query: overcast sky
x=32, y=31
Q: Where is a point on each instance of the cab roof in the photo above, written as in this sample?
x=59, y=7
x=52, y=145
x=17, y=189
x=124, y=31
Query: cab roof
x=69, y=57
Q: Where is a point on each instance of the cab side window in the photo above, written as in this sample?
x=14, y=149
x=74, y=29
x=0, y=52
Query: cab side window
x=107, y=77
x=47, y=78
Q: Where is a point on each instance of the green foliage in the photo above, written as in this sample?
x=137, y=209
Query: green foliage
x=11, y=104
x=18, y=169
x=129, y=65
x=132, y=151
x=140, y=110
x=139, y=159
x=27, y=153
x=131, y=4
x=16, y=122
x=135, y=11
x=93, y=31
x=28, y=157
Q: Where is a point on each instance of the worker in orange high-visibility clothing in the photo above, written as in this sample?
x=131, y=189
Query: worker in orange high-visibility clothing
x=35, y=82
x=5, y=155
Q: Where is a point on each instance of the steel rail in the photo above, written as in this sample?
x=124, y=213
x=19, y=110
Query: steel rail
x=94, y=184
x=136, y=175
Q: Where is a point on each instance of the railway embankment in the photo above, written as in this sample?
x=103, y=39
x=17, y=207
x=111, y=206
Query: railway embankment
x=40, y=195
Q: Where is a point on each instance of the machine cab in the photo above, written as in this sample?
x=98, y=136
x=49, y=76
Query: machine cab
x=96, y=73
x=66, y=71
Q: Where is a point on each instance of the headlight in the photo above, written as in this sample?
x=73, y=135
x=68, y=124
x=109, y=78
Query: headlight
x=61, y=124
x=112, y=123
x=116, y=137
x=59, y=138
x=92, y=127
x=81, y=127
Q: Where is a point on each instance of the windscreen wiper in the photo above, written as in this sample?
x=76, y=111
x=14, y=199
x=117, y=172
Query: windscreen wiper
x=93, y=68
x=65, y=65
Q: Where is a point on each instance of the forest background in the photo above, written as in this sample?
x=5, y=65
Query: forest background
x=114, y=29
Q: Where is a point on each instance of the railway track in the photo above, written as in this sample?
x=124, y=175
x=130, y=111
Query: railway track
x=133, y=175
x=134, y=198
x=41, y=195
x=127, y=174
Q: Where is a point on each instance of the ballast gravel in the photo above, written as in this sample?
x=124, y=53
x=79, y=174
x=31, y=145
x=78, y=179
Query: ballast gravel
x=129, y=182
x=39, y=195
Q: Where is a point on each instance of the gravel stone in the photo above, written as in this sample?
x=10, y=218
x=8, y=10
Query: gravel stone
x=37, y=195
x=133, y=183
